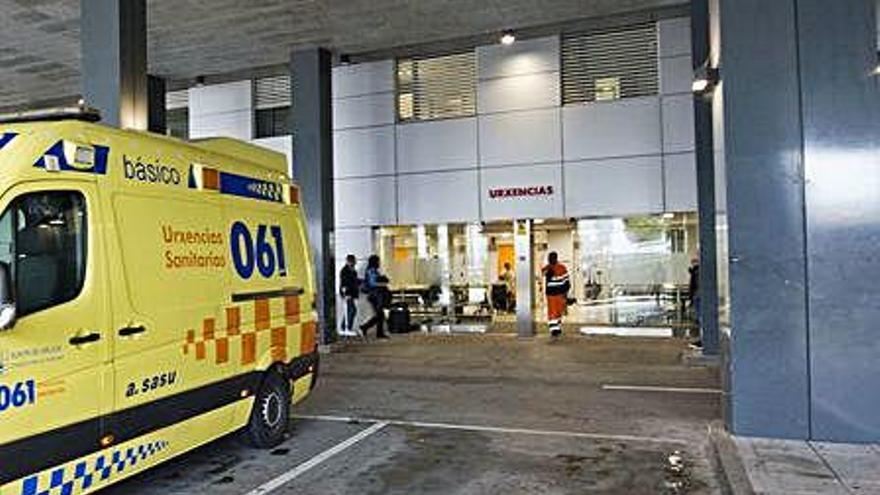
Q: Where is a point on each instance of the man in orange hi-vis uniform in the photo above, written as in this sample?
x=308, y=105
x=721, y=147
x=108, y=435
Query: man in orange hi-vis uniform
x=556, y=287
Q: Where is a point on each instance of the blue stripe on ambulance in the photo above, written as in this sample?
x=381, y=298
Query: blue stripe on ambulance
x=248, y=187
x=87, y=474
x=57, y=151
x=6, y=138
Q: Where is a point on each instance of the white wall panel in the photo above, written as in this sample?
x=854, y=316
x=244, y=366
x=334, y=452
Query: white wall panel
x=438, y=198
x=438, y=145
x=625, y=127
x=675, y=37
x=361, y=79
x=518, y=93
x=220, y=98
x=536, y=206
x=681, y=182
x=365, y=202
x=238, y=125
x=221, y=110
x=678, y=124
x=363, y=111
x=363, y=152
x=520, y=137
x=676, y=75
x=523, y=57
x=356, y=241
x=624, y=186
x=281, y=144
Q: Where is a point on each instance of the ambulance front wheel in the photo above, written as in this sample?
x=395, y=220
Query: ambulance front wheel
x=271, y=413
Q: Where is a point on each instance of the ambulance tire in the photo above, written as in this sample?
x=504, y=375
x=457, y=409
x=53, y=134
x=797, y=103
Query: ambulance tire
x=271, y=413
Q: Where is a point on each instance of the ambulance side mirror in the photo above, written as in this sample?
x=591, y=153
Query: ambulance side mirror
x=7, y=303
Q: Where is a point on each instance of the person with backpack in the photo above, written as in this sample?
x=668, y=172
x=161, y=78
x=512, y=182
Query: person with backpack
x=376, y=288
x=556, y=288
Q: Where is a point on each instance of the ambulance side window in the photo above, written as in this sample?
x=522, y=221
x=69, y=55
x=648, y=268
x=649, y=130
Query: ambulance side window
x=43, y=239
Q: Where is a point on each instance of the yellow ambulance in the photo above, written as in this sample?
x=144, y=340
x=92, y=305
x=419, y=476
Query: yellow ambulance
x=155, y=295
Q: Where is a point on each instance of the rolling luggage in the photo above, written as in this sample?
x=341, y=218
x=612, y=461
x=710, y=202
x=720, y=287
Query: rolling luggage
x=399, y=318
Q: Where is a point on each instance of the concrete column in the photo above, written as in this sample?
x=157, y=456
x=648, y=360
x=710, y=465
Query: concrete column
x=765, y=207
x=114, y=60
x=443, y=253
x=840, y=97
x=156, y=121
x=802, y=134
x=705, y=155
x=525, y=297
x=311, y=124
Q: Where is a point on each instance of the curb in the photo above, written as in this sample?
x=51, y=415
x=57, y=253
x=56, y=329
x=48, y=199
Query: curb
x=732, y=473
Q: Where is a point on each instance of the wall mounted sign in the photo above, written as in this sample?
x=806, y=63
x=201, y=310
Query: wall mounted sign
x=521, y=192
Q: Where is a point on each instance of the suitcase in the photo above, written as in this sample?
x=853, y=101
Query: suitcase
x=399, y=318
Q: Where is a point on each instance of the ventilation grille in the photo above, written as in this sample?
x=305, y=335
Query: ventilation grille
x=610, y=65
x=272, y=92
x=436, y=87
x=175, y=100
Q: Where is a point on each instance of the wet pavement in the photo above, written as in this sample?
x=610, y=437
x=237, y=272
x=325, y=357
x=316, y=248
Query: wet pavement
x=477, y=415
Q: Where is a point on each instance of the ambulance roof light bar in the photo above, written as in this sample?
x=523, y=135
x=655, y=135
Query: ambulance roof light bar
x=82, y=113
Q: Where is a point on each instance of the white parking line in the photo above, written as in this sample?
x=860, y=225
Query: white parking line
x=678, y=390
x=315, y=461
x=497, y=429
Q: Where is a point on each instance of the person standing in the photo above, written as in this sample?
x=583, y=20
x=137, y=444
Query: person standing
x=509, y=278
x=376, y=287
x=556, y=287
x=349, y=289
x=694, y=296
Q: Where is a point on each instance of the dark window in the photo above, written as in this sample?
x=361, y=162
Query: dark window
x=609, y=65
x=272, y=104
x=43, y=239
x=177, y=122
x=272, y=122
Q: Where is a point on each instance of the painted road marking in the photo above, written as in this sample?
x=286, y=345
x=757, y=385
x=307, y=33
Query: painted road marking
x=678, y=390
x=315, y=461
x=496, y=429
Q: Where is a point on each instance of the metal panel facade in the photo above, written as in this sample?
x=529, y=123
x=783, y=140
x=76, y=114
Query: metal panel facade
x=520, y=138
x=765, y=209
x=521, y=192
x=841, y=121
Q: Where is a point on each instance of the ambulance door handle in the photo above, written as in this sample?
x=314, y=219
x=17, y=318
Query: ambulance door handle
x=85, y=339
x=129, y=331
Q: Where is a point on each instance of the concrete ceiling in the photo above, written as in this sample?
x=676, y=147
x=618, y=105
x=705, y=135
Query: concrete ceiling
x=39, y=39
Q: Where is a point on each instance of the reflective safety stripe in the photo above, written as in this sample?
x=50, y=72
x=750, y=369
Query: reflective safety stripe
x=85, y=475
x=62, y=445
x=6, y=138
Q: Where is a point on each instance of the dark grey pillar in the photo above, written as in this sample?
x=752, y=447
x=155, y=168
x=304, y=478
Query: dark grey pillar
x=802, y=133
x=311, y=124
x=769, y=382
x=705, y=152
x=114, y=60
x=841, y=132
x=156, y=121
